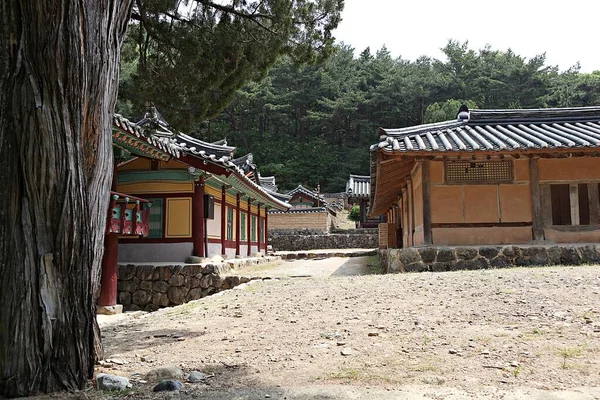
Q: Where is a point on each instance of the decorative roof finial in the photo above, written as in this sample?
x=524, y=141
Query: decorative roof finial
x=463, y=113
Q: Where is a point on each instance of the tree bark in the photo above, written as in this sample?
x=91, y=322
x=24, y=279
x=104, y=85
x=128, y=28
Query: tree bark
x=59, y=67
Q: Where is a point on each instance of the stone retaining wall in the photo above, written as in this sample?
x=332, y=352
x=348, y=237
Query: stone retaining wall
x=298, y=242
x=418, y=259
x=149, y=287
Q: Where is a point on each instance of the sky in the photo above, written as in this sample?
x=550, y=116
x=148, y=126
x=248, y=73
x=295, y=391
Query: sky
x=567, y=31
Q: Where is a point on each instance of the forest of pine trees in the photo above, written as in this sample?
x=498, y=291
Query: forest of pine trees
x=314, y=124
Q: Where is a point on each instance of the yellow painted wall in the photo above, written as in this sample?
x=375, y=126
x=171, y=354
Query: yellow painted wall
x=156, y=187
x=178, y=217
x=172, y=164
x=134, y=165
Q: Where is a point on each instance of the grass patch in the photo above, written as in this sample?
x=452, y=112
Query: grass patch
x=568, y=353
x=374, y=266
x=358, y=375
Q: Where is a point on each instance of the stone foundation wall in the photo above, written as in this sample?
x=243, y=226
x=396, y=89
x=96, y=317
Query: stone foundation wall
x=149, y=287
x=298, y=242
x=418, y=259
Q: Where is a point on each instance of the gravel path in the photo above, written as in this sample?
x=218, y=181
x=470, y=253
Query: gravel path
x=486, y=334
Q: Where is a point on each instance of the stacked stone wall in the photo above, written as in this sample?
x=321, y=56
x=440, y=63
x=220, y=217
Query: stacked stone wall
x=419, y=259
x=291, y=240
x=149, y=287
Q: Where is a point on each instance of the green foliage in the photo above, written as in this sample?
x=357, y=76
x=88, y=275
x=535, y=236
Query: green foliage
x=313, y=123
x=445, y=111
x=191, y=56
x=354, y=214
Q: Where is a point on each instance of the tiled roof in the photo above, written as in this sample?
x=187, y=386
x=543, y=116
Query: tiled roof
x=305, y=191
x=499, y=130
x=128, y=132
x=268, y=182
x=360, y=186
x=307, y=210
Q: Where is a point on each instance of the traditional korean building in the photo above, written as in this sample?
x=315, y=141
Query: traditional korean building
x=175, y=196
x=358, y=192
x=301, y=197
x=490, y=177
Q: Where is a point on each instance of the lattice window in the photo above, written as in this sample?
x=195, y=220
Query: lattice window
x=478, y=171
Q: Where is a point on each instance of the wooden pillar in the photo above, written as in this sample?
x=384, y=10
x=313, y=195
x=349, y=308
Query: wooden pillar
x=411, y=211
x=536, y=201
x=108, y=281
x=266, y=229
x=426, y=186
x=238, y=224
x=198, y=218
x=574, y=198
x=249, y=217
x=223, y=217
x=110, y=259
x=362, y=212
x=258, y=230
x=593, y=197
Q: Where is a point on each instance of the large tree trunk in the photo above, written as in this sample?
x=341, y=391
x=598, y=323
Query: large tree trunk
x=59, y=64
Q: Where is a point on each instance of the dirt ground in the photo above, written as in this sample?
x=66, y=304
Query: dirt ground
x=490, y=334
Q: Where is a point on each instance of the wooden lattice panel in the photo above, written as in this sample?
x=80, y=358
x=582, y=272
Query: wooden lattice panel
x=478, y=171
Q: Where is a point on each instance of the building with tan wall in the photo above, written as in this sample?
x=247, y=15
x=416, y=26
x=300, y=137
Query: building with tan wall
x=490, y=177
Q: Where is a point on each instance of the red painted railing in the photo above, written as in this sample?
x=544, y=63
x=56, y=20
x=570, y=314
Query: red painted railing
x=124, y=220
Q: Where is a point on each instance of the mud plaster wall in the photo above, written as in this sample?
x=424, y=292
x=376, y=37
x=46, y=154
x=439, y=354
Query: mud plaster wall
x=472, y=204
x=318, y=221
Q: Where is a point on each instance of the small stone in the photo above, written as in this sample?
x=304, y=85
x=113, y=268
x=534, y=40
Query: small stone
x=162, y=373
x=485, y=352
x=514, y=364
x=238, y=350
x=346, y=351
x=109, y=382
x=453, y=351
x=169, y=385
x=373, y=333
x=180, y=339
x=197, y=376
x=341, y=343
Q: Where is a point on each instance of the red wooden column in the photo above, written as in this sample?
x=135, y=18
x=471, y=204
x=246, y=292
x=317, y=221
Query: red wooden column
x=266, y=229
x=223, y=217
x=238, y=224
x=249, y=228
x=258, y=230
x=108, y=282
x=198, y=218
x=108, y=278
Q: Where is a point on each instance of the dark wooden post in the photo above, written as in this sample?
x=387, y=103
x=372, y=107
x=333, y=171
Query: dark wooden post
x=198, y=218
x=258, y=230
x=536, y=201
x=411, y=211
x=238, y=228
x=426, y=186
x=223, y=217
x=248, y=228
x=362, y=213
x=108, y=282
x=266, y=229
